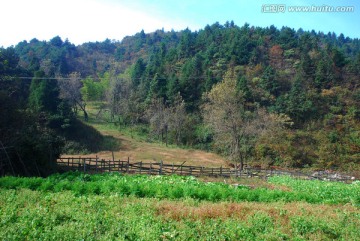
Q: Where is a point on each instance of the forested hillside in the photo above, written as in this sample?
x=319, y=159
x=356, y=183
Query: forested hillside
x=263, y=95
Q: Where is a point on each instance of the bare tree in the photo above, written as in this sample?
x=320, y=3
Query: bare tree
x=124, y=101
x=114, y=95
x=47, y=66
x=70, y=91
x=177, y=117
x=158, y=116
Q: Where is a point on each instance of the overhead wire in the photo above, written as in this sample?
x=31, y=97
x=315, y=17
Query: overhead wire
x=63, y=78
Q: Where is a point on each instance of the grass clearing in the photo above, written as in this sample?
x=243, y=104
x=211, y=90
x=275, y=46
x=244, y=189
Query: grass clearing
x=134, y=144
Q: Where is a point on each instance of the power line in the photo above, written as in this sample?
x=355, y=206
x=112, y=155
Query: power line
x=42, y=78
x=63, y=78
x=68, y=78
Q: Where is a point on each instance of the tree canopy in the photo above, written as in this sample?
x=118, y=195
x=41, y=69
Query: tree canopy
x=202, y=89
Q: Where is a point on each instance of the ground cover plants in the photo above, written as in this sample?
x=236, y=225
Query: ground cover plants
x=75, y=206
x=177, y=187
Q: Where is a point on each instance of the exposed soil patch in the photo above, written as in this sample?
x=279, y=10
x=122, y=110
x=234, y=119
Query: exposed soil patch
x=154, y=152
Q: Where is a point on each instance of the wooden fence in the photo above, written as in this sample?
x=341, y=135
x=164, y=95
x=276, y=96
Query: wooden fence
x=97, y=165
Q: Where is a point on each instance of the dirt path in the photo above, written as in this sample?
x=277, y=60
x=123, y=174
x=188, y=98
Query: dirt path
x=143, y=151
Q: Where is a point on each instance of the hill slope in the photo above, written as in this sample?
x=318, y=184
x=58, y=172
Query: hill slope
x=124, y=146
x=293, y=96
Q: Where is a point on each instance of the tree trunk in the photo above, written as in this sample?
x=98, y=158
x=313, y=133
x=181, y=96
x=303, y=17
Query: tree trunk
x=85, y=113
x=241, y=163
x=83, y=108
x=166, y=135
x=86, y=117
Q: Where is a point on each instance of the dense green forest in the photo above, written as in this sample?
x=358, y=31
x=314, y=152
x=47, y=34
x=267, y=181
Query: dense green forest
x=262, y=95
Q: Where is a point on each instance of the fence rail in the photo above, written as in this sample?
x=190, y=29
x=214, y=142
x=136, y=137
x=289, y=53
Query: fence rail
x=97, y=165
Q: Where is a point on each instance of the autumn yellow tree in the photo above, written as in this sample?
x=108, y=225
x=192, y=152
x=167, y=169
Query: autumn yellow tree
x=236, y=128
x=224, y=112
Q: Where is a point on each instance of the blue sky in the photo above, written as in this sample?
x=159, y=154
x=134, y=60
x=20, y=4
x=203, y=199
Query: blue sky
x=95, y=20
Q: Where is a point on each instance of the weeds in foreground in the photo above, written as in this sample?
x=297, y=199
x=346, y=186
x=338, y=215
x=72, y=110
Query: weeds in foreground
x=180, y=187
x=40, y=215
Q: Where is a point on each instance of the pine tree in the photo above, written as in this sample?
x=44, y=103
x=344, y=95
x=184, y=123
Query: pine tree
x=172, y=88
x=269, y=81
x=324, y=74
x=243, y=86
x=44, y=94
x=138, y=72
x=157, y=88
x=299, y=107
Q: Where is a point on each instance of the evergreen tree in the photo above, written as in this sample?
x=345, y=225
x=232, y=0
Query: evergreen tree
x=186, y=44
x=210, y=80
x=56, y=41
x=287, y=38
x=307, y=66
x=157, y=88
x=324, y=74
x=190, y=81
x=269, y=81
x=338, y=58
x=243, y=86
x=45, y=103
x=44, y=94
x=298, y=106
x=172, y=88
x=138, y=72
x=32, y=146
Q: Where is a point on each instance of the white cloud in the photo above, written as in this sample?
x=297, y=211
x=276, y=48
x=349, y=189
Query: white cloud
x=79, y=20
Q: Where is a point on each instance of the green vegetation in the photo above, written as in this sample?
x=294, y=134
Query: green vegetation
x=177, y=187
x=304, y=84
x=263, y=96
x=75, y=206
x=328, y=192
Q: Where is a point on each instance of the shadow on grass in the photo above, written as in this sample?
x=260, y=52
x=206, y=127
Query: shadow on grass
x=84, y=139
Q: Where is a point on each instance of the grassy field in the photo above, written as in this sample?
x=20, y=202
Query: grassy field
x=111, y=206
x=132, y=143
x=74, y=206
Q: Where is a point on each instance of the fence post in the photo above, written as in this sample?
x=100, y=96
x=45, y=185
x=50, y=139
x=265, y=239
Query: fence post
x=128, y=165
x=172, y=170
x=220, y=170
x=140, y=167
x=79, y=164
x=84, y=161
x=161, y=165
x=150, y=170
